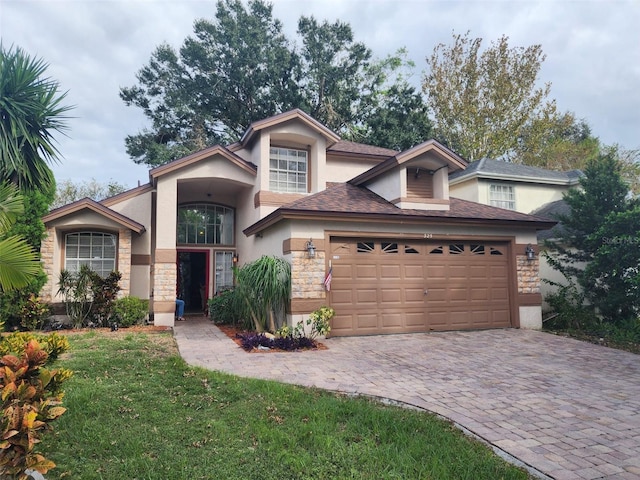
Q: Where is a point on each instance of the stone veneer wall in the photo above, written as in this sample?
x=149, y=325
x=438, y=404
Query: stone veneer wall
x=124, y=261
x=528, y=274
x=307, y=275
x=164, y=288
x=46, y=255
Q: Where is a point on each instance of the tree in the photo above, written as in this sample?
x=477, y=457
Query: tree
x=18, y=262
x=483, y=101
x=68, y=191
x=31, y=112
x=592, y=248
x=561, y=142
x=240, y=68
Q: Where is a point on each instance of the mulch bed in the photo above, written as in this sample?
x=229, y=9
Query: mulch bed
x=234, y=333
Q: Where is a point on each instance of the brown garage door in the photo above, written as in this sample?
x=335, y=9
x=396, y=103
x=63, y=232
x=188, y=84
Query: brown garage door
x=391, y=286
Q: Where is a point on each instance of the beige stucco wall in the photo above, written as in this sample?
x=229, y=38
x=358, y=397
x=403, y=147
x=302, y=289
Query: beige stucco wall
x=342, y=168
x=465, y=190
x=529, y=196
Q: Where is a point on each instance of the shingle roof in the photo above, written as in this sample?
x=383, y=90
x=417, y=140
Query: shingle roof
x=347, y=201
x=499, y=169
x=553, y=210
x=344, y=146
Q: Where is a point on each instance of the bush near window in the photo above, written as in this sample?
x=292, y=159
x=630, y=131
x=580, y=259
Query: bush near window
x=31, y=400
x=128, y=311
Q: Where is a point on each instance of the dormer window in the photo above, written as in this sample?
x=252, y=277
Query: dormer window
x=502, y=196
x=288, y=170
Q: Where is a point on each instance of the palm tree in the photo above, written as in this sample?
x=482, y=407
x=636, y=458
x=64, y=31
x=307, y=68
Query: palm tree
x=18, y=262
x=31, y=111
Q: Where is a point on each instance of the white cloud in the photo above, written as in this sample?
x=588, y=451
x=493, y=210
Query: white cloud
x=94, y=47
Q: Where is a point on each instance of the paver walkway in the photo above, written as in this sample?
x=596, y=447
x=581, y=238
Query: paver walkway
x=568, y=409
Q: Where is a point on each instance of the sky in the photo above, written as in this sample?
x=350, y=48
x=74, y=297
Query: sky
x=95, y=47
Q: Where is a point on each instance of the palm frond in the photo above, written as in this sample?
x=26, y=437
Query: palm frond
x=18, y=263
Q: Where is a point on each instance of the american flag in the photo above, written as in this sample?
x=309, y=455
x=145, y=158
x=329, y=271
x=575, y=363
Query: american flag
x=327, y=278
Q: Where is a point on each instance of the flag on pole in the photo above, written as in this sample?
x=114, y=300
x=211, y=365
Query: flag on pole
x=327, y=278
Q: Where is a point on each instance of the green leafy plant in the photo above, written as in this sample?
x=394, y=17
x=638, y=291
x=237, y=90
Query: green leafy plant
x=34, y=313
x=105, y=292
x=54, y=344
x=265, y=288
x=128, y=311
x=77, y=294
x=226, y=307
x=31, y=400
x=320, y=321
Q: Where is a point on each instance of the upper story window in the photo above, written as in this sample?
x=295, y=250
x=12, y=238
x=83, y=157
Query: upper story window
x=502, y=196
x=201, y=223
x=97, y=250
x=288, y=170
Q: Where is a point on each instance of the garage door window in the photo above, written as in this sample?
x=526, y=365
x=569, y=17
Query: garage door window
x=410, y=249
x=456, y=249
x=389, y=247
x=365, y=247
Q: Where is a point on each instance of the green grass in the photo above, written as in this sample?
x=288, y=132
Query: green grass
x=137, y=411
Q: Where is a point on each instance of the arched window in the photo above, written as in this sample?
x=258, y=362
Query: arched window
x=201, y=223
x=95, y=249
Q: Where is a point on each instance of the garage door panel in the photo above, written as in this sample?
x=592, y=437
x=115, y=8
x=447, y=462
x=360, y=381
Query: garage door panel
x=391, y=319
x=382, y=289
x=367, y=272
x=413, y=271
x=367, y=297
x=390, y=296
x=367, y=320
x=390, y=272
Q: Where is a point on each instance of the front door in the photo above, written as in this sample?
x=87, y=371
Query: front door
x=193, y=279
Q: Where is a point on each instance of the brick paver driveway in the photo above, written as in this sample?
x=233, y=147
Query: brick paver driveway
x=568, y=409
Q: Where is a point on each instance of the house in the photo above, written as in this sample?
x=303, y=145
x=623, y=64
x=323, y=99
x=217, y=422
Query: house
x=405, y=255
x=521, y=188
x=512, y=186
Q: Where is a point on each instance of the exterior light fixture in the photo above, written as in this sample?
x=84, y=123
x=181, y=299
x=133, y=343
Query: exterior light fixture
x=311, y=249
x=530, y=252
x=234, y=259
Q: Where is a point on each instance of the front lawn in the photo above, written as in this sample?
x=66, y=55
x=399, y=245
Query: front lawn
x=137, y=411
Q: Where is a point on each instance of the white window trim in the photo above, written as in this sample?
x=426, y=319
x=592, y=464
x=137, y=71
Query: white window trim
x=502, y=196
x=299, y=187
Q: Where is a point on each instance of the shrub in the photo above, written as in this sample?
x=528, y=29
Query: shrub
x=570, y=308
x=53, y=344
x=250, y=341
x=105, y=292
x=34, y=313
x=320, y=321
x=224, y=308
x=31, y=400
x=128, y=311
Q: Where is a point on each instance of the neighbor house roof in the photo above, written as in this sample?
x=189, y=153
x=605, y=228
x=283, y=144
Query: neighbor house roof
x=347, y=202
x=499, y=170
x=93, y=206
x=553, y=210
x=350, y=148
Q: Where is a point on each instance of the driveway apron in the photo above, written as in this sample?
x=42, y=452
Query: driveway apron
x=565, y=408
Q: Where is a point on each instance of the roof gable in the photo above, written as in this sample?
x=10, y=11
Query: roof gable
x=297, y=114
x=200, y=156
x=93, y=206
x=447, y=157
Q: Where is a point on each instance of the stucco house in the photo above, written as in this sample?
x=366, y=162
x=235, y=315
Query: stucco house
x=405, y=255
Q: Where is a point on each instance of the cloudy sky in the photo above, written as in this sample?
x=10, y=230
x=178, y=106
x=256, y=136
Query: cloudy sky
x=94, y=47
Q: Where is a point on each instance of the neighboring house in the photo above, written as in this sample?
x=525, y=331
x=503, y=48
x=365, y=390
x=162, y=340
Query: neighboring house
x=512, y=186
x=405, y=256
x=521, y=188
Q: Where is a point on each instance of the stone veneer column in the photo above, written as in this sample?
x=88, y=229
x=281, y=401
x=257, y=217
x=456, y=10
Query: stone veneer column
x=528, y=274
x=124, y=260
x=307, y=275
x=46, y=256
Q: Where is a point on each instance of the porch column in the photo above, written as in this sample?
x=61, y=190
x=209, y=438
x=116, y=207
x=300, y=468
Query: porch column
x=164, y=272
